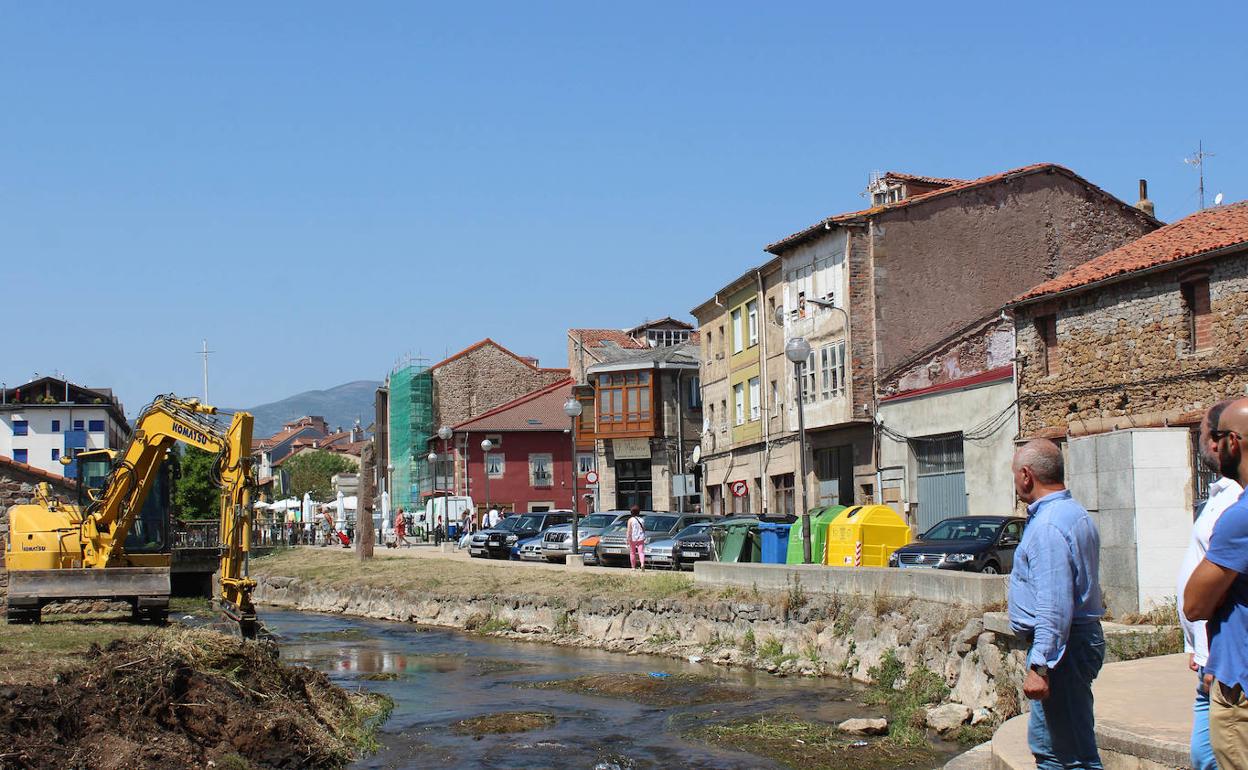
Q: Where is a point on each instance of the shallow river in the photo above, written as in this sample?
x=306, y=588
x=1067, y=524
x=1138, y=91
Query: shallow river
x=445, y=676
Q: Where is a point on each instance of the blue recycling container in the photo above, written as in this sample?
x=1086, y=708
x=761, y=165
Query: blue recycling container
x=775, y=542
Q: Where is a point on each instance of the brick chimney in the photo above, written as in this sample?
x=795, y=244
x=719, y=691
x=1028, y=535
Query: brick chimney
x=1144, y=204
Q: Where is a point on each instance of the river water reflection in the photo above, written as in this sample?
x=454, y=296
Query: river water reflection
x=441, y=677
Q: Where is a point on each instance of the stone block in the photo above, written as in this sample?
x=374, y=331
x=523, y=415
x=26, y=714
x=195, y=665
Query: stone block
x=1115, y=489
x=1168, y=486
x=1113, y=452
x=947, y=718
x=1081, y=456
x=1163, y=448
x=1117, y=526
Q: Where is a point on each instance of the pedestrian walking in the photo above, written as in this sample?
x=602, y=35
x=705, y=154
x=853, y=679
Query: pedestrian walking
x=400, y=529
x=635, y=534
x=1217, y=592
x=1222, y=493
x=439, y=533
x=1055, y=604
x=494, y=518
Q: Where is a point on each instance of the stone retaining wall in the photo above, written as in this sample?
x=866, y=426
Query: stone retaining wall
x=786, y=633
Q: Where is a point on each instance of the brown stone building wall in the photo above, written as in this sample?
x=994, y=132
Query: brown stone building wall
x=17, y=487
x=862, y=322
x=942, y=264
x=1124, y=354
x=482, y=378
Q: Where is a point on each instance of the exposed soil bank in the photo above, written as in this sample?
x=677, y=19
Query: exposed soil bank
x=173, y=698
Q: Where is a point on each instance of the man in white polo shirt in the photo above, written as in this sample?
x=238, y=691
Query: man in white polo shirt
x=1222, y=493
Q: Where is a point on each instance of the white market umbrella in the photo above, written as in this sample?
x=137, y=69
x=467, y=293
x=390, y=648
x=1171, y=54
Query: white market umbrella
x=308, y=511
x=387, y=523
x=340, y=513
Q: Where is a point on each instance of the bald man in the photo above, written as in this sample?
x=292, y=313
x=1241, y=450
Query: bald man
x=1217, y=592
x=1055, y=604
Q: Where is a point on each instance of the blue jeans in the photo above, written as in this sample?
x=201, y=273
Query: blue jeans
x=1202, y=752
x=1061, y=731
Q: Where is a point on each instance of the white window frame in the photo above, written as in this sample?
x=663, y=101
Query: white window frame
x=832, y=371
x=756, y=397
x=738, y=396
x=738, y=338
x=536, y=461
x=751, y=310
x=586, y=462
x=490, y=458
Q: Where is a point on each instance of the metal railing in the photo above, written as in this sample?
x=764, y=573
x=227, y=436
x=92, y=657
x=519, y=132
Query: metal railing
x=207, y=534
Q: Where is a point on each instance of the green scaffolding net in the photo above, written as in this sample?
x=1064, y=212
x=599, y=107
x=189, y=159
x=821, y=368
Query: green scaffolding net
x=411, y=425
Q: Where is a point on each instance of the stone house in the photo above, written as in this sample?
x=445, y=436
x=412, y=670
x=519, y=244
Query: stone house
x=1119, y=358
x=483, y=376
x=876, y=290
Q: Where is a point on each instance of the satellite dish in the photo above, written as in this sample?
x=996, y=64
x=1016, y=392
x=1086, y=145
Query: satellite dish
x=779, y=315
x=695, y=455
x=1217, y=199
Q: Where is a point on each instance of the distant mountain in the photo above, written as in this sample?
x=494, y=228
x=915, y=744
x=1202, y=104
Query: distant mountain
x=341, y=406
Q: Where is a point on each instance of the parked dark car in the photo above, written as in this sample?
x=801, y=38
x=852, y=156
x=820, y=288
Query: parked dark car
x=969, y=543
x=613, y=548
x=476, y=545
x=500, y=545
x=693, y=546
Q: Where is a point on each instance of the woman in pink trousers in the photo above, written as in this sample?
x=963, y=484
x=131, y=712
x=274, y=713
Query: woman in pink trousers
x=635, y=534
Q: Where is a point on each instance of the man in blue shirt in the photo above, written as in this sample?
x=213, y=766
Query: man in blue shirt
x=1217, y=591
x=1055, y=603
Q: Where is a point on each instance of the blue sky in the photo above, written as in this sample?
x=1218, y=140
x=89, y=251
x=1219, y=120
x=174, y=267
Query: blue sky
x=320, y=188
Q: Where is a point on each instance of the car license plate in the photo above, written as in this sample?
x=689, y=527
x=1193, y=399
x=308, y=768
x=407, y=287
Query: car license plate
x=691, y=554
x=615, y=550
x=494, y=542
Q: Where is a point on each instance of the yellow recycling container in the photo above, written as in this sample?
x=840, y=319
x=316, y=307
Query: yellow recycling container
x=865, y=536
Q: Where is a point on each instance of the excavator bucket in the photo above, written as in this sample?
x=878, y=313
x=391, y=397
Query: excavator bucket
x=146, y=588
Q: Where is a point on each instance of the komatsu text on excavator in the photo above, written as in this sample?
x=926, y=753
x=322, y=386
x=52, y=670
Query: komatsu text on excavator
x=61, y=550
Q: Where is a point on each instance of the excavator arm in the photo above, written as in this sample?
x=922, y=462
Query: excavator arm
x=166, y=421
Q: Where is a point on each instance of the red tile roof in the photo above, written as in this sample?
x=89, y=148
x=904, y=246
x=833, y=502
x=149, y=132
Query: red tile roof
x=904, y=177
x=593, y=338
x=1199, y=234
x=862, y=215
x=539, y=410
x=33, y=471
x=529, y=362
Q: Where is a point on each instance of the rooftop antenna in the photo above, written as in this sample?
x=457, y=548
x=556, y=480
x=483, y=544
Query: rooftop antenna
x=204, y=352
x=1198, y=160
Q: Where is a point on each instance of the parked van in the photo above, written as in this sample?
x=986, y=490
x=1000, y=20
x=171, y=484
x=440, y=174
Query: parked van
x=452, y=508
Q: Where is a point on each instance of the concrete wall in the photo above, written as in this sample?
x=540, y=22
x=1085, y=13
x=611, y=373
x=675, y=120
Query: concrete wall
x=961, y=588
x=989, y=482
x=1137, y=485
x=1123, y=337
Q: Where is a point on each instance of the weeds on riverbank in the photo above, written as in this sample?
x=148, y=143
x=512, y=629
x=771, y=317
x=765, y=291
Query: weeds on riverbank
x=906, y=703
x=794, y=742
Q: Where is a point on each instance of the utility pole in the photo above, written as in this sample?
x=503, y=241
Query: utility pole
x=205, y=353
x=1198, y=160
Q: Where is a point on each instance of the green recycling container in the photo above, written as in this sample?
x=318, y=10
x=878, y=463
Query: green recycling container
x=740, y=541
x=820, y=518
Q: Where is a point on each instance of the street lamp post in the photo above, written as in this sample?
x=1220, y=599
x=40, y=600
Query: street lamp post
x=486, y=446
x=797, y=350
x=445, y=434
x=572, y=408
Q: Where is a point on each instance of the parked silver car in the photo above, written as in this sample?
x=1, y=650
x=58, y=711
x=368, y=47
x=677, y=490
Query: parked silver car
x=557, y=541
x=662, y=552
x=613, y=545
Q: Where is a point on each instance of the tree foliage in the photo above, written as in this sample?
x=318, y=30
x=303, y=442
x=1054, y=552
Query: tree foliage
x=194, y=494
x=311, y=471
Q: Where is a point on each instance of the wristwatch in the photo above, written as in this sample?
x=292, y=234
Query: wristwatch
x=1041, y=669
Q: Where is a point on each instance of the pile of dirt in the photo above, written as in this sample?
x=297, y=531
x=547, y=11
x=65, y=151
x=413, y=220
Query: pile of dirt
x=184, y=698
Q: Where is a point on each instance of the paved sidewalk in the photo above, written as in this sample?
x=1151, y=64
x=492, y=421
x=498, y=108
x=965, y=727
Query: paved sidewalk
x=430, y=551
x=1143, y=717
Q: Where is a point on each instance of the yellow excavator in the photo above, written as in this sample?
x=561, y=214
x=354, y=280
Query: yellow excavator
x=60, y=550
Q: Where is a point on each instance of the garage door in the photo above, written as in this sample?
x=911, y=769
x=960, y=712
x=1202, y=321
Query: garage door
x=942, y=479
